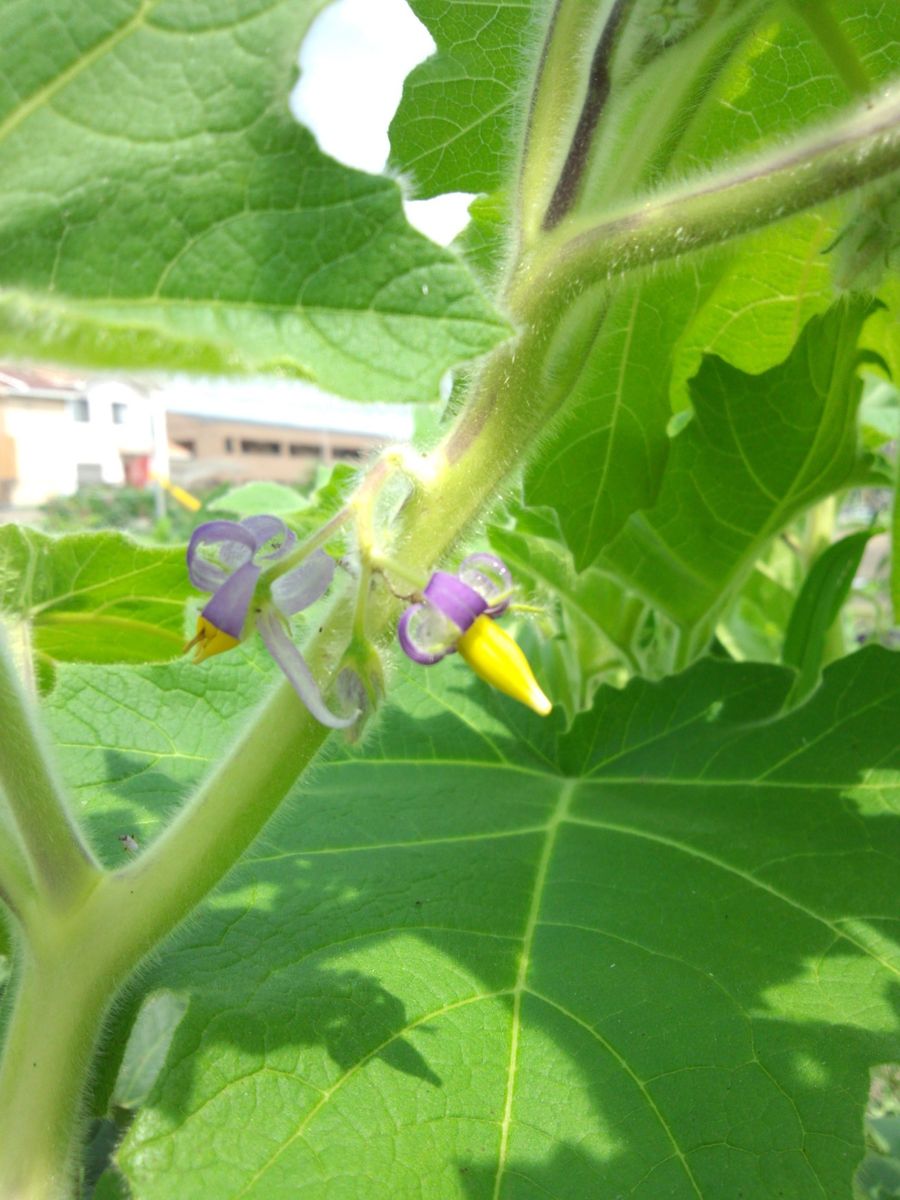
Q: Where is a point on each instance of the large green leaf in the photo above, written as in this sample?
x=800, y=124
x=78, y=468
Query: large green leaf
x=759, y=450
x=606, y=459
x=480, y=957
x=94, y=597
x=160, y=206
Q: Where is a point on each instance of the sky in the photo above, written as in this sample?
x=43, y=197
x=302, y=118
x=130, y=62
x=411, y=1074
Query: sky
x=353, y=62
x=285, y=402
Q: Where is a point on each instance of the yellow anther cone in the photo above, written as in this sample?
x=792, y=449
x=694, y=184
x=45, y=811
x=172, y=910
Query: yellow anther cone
x=496, y=658
x=209, y=641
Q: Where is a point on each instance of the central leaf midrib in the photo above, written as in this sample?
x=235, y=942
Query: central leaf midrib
x=520, y=986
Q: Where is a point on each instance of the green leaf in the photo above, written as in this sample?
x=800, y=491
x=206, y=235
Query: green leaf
x=818, y=607
x=883, y=330
x=456, y=127
x=606, y=459
x=753, y=628
x=760, y=449
x=879, y=412
x=251, y=499
x=747, y=306
x=94, y=597
x=484, y=242
x=595, y=622
x=653, y=956
x=162, y=207
x=334, y=485
x=131, y=753
x=767, y=290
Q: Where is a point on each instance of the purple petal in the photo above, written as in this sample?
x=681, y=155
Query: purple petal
x=231, y=601
x=490, y=577
x=265, y=528
x=298, y=673
x=419, y=643
x=454, y=599
x=299, y=588
x=227, y=534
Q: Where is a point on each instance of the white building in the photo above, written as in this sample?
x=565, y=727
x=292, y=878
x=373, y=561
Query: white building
x=59, y=433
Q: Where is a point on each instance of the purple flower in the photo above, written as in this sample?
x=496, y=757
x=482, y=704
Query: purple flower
x=430, y=630
x=244, y=551
x=456, y=614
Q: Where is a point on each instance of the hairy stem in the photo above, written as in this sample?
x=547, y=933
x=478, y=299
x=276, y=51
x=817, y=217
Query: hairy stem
x=58, y=1001
x=859, y=149
x=61, y=864
x=598, y=88
x=16, y=884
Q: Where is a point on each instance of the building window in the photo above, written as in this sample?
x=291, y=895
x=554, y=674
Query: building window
x=188, y=445
x=304, y=450
x=252, y=447
x=89, y=474
x=118, y=413
x=229, y=445
x=345, y=454
x=80, y=410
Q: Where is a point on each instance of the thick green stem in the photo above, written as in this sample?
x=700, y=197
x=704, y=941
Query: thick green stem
x=599, y=83
x=57, y=1006
x=859, y=149
x=61, y=864
x=16, y=884
x=669, y=94
x=75, y=963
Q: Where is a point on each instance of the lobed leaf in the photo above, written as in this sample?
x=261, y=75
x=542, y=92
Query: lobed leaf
x=652, y=956
x=606, y=458
x=457, y=124
x=760, y=449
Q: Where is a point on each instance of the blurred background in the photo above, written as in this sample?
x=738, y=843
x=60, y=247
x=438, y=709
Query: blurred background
x=145, y=452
